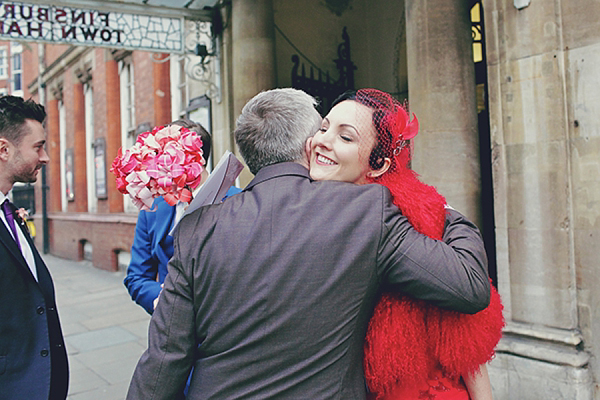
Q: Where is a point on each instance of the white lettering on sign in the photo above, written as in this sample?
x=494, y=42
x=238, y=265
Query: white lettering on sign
x=90, y=27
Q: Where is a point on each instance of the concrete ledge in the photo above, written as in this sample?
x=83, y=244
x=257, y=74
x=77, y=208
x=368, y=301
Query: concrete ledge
x=516, y=377
x=92, y=217
x=554, y=353
x=570, y=337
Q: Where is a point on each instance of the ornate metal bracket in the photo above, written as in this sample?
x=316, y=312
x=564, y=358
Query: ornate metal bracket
x=201, y=57
x=323, y=87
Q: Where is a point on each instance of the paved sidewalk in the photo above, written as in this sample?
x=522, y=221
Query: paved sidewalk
x=105, y=332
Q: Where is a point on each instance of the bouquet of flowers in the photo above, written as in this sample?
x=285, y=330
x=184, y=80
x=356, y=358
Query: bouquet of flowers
x=164, y=162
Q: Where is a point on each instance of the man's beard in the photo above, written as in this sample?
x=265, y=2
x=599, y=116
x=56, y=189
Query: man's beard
x=25, y=174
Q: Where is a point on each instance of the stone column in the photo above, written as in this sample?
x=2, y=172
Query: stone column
x=441, y=85
x=253, y=41
x=80, y=166
x=53, y=148
x=543, y=96
x=162, y=91
x=113, y=129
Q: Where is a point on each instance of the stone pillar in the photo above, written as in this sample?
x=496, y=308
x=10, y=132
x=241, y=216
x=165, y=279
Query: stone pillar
x=441, y=85
x=113, y=129
x=162, y=91
x=53, y=148
x=253, y=41
x=80, y=166
x=543, y=97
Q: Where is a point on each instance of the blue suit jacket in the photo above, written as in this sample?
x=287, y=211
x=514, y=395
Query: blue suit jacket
x=151, y=250
x=33, y=358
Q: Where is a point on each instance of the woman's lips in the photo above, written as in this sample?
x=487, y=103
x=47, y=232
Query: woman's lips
x=322, y=160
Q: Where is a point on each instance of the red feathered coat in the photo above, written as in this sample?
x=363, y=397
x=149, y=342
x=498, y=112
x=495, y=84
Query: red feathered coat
x=414, y=349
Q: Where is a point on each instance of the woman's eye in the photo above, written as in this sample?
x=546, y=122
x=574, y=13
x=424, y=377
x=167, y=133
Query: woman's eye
x=346, y=138
x=323, y=130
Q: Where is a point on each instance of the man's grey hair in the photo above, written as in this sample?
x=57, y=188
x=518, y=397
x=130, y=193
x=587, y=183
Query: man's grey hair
x=274, y=126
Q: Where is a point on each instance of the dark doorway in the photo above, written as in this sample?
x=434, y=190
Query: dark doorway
x=485, y=152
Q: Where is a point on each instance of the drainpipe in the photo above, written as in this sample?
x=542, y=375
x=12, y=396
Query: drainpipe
x=42, y=95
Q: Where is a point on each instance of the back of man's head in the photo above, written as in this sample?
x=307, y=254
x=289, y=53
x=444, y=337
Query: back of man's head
x=274, y=125
x=13, y=113
x=203, y=133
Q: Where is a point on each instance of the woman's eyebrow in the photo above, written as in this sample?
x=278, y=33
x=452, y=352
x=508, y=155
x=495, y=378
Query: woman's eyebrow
x=351, y=126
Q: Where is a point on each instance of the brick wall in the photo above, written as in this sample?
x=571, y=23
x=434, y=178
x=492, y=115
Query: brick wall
x=144, y=93
x=108, y=234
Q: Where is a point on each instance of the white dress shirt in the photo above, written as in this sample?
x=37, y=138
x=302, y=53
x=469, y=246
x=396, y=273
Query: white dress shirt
x=25, y=249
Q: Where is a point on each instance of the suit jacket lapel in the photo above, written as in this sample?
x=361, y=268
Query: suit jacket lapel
x=43, y=274
x=44, y=280
x=8, y=241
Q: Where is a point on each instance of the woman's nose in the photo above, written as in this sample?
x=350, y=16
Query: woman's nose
x=322, y=138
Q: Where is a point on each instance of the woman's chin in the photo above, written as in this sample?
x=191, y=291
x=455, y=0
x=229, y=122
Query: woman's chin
x=317, y=174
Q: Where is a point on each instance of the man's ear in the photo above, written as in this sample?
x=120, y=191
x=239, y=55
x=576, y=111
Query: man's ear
x=374, y=173
x=307, y=146
x=5, y=148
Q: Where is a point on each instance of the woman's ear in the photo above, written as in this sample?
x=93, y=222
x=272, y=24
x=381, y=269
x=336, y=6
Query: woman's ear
x=374, y=173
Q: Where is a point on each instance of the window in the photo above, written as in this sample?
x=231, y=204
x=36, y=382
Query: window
x=17, y=70
x=127, y=105
x=66, y=195
x=89, y=141
x=128, y=124
x=182, y=87
x=179, y=87
x=3, y=62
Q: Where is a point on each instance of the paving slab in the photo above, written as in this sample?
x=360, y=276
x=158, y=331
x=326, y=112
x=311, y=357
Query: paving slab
x=105, y=331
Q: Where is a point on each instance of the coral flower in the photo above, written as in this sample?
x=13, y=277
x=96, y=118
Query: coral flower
x=166, y=161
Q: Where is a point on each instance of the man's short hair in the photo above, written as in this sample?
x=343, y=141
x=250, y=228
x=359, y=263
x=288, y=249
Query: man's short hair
x=274, y=125
x=199, y=129
x=13, y=113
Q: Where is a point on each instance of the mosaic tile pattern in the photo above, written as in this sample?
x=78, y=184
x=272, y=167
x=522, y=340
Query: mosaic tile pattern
x=90, y=27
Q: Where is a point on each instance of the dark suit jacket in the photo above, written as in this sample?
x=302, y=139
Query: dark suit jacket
x=151, y=250
x=33, y=358
x=279, y=304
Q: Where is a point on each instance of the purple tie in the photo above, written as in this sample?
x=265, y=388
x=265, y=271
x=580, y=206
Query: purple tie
x=9, y=214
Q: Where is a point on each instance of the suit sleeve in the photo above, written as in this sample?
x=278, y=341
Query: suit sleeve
x=451, y=274
x=143, y=268
x=163, y=369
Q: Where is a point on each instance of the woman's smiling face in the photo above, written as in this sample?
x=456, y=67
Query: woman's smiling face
x=340, y=149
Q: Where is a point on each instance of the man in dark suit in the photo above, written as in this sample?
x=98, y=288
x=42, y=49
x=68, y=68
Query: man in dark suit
x=33, y=358
x=269, y=294
x=152, y=245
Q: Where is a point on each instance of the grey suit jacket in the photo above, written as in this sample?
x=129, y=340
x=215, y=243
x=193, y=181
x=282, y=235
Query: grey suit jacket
x=269, y=294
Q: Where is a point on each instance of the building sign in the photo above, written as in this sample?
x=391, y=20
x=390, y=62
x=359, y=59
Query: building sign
x=58, y=24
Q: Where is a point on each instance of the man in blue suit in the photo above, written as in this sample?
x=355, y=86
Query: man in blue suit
x=152, y=245
x=33, y=359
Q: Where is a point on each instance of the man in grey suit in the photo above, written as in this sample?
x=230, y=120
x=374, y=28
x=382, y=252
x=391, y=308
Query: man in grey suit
x=269, y=294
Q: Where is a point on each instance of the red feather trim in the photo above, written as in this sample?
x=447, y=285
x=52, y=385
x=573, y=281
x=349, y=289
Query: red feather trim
x=408, y=338
x=477, y=335
x=388, y=359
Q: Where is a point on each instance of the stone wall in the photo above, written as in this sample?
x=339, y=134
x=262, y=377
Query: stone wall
x=543, y=95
